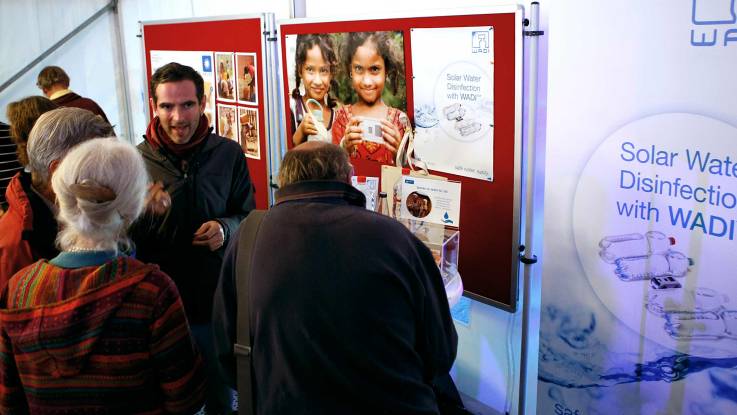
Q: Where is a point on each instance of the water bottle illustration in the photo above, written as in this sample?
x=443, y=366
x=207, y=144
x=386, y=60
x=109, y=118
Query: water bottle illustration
x=658, y=243
x=700, y=326
x=677, y=264
x=698, y=300
x=322, y=131
x=730, y=323
x=622, y=246
x=641, y=267
x=633, y=245
x=672, y=264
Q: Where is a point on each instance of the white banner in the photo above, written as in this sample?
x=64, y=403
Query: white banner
x=639, y=303
x=453, y=78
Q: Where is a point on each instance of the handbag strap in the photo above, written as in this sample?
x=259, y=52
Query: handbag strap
x=242, y=347
x=406, y=149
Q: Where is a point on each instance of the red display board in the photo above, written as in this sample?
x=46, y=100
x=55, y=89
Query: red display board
x=238, y=35
x=489, y=217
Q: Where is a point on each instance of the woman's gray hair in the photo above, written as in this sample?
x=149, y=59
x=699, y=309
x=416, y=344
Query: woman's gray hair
x=57, y=131
x=100, y=187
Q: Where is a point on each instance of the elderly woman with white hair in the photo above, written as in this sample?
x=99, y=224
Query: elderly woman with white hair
x=93, y=330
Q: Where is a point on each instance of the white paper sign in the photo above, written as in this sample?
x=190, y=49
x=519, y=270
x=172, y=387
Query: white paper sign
x=434, y=201
x=454, y=99
x=201, y=62
x=369, y=186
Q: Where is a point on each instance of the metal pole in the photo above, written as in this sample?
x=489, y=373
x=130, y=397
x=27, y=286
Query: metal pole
x=123, y=64
x=528, y=258
x=297, y=8
x=272, y=105
x=56, y=46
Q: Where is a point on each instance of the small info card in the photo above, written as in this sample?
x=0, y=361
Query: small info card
x=434, y=201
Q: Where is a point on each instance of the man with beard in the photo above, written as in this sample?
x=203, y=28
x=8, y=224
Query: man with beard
x=201, y=191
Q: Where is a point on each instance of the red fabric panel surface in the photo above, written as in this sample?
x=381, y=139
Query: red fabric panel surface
x=487, y=256
x=239, y=35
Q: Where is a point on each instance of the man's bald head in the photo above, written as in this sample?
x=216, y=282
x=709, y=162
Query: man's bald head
x=315, y=160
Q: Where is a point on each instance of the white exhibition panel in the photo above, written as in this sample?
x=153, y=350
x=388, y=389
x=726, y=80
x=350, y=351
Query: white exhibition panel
x=639, y=303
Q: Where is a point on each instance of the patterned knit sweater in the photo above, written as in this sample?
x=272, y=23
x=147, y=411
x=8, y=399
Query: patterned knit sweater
x=103, y=339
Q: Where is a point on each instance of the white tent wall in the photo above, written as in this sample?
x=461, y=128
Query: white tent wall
x=91, y=58
x=28, y=28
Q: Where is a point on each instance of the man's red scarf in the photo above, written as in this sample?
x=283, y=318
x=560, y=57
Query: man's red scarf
x=157, y=137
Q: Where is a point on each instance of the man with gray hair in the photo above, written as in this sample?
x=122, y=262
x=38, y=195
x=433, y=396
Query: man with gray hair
x=348, y=312
x=28, y=229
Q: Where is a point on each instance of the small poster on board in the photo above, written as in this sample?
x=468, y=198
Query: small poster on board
x=454, y=99
x=249, y=137
x=201, y=62
x=246, y=77
x=227, y=126
x=435, y=201
x=224, y=76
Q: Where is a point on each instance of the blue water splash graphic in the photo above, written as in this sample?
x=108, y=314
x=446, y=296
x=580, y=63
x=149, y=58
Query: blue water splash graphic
x=573, y=355
x=581, y=372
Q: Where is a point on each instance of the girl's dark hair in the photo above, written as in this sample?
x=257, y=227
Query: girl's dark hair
x=386, y=48
x=304, y=44
x=22, y=115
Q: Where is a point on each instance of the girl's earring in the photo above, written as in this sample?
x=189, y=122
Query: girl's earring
x=302, y=91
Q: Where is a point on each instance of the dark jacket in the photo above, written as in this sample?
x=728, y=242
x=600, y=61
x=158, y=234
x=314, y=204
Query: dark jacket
x=213, y=184
x=27, y=230
x=348, y=310
x=74, y=100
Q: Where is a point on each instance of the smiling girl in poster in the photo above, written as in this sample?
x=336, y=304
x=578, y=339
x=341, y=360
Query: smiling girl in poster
x=315, y=66
x=370, y=129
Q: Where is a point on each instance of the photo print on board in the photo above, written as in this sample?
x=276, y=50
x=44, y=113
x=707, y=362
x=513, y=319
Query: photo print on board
x=246, y=77
x=225, y=76
x=249, y=136
x=324, y=78
x=227, y=126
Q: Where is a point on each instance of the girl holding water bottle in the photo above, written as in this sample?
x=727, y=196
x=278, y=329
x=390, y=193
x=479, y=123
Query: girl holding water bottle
x=311, y=104
x=370, y=129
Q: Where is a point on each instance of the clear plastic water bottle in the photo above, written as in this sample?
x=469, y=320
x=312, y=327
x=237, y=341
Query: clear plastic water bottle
x=622, y=246
x=322, y=131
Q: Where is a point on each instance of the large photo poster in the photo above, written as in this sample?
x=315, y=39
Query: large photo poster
x=639, y=288
x=348, y=89
x=454, y=99
x=202, y=62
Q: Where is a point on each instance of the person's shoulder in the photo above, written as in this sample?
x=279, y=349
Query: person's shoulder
x=148, y=152
x=376, y=222
x=223, y=144
x=154, y=276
